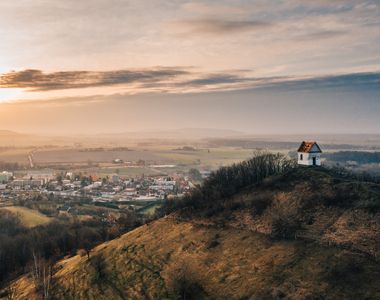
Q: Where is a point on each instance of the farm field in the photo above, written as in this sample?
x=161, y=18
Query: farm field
x=29, y=217
x=156, y=159
x=17, y=155
x=209, y=157
x=131, y=171
x=60, y=155
x=159, y=160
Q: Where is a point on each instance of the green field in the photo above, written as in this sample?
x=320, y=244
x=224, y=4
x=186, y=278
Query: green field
x=100, y=162
x=29, y=217
x=128, y=171
x=150, y=209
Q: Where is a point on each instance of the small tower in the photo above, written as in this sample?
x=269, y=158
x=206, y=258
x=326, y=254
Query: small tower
x=309, y=154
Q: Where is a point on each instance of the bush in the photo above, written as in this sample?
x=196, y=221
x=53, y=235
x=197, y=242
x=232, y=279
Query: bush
x=98, y=263
x=261, y=202
x=285, y=220
x=183, y=282
x=285, y=227
x=213, y=242
x=343, y=266
x=81, y=252
x=195, y=174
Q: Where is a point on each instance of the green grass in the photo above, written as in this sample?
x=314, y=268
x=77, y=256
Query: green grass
x=150, y=209
x=128, y=171
x=216, y=157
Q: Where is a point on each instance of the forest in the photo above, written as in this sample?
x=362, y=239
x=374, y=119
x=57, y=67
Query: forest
x=19, y=246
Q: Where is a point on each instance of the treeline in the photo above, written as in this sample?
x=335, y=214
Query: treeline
x=101, y=149
x=51, y=242
x=362, y=176
x=279, y=145
x=227, y=181
x=361, y=157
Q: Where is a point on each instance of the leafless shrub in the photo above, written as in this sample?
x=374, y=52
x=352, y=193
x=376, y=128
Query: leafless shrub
x=82, y=252
x=183, y=282
x=285, y=219
x=98, y=263
x=261, y=202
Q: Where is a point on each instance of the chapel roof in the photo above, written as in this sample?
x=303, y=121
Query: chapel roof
x=307, y=147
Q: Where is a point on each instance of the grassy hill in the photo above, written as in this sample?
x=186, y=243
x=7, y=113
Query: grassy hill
x=29, y=217
x=306, y=234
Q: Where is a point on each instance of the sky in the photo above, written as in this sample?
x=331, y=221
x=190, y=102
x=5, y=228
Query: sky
x=259, y=66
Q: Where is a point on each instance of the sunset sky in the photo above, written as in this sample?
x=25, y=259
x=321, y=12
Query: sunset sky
x=258, y=66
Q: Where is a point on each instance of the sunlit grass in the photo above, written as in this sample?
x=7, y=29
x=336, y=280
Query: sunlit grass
x=29, y=217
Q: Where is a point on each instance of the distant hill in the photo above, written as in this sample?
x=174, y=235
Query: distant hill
x=180, y=134
x=9, y=133
x=310, y=233
x=12, y=138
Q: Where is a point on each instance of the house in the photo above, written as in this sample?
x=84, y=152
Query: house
x=309, y=154
x=5, y=176
x=44, y=175
x=115, y=178
x=26, y=183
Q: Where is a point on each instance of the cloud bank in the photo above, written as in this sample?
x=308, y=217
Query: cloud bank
x=37, y=80
x=175, y=80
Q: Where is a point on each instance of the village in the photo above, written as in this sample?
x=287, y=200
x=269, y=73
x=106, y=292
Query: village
x=139, y=194
x=118, y=186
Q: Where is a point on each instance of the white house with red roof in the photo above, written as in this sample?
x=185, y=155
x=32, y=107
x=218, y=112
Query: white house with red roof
x=309, y=154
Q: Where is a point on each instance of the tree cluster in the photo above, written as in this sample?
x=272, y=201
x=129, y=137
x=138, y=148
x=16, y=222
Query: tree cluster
x=19, y=246
x=227, y=181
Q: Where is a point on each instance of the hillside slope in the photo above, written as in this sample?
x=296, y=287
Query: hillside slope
x=308, y=234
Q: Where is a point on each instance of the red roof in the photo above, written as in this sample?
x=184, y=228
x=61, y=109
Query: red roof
x=307, y=147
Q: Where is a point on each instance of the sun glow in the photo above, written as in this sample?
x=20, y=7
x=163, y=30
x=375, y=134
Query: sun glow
x=7, y=94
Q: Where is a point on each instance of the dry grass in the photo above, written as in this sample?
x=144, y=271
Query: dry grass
x=29, y=217
x=240, y=265
x=233, y=256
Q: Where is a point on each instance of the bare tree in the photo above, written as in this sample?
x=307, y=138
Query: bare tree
x=42, y=276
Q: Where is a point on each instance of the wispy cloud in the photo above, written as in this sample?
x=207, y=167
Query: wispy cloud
x=174, y=80
x=159, y=79
x=217, y=26
x=358, y=81
x=321, y=34
x=37, y=80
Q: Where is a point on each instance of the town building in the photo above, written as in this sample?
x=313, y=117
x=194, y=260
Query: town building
x=44, y=175
x=26, y=183
x=5, y=176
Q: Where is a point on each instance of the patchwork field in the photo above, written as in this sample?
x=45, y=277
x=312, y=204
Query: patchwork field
x=212, y=156
x=60, y=155
x=82, y=158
